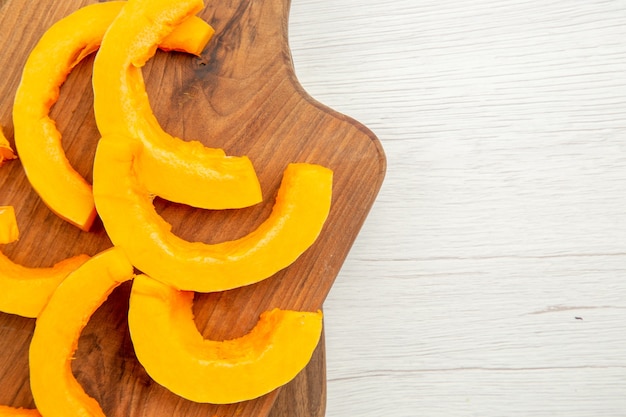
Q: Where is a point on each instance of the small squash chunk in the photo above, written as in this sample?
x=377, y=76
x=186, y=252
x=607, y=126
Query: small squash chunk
x=25, y=291
x=55, y=390
x=9, y=231
x=204, y=179
x=191, y=37
x=6, y=152
x=37, y=138
x=173, y=352
x=132, y=223
x=6, y=411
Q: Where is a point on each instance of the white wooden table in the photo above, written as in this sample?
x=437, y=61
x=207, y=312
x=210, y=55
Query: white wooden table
x=490, y=276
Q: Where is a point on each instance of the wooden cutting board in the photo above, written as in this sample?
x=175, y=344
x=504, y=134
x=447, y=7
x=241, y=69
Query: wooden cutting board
x=240, y=95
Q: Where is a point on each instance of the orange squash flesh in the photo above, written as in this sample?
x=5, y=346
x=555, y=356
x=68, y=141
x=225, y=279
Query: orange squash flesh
x=135, y=161
x=6, y=411
x=25, y=291
x=8, y=225
x=132, y=223
x=6, y=152
x=37, y=139
x=173, y=352
x=55, y=390
x=176, y=170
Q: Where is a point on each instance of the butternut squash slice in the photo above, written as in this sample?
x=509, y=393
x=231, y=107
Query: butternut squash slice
x=37, y=139
x=55, y=390
x=6, y=152
x=132, y=223
x=9, y=231
x=25, y=291
x=6, y=411
x=176, y=170
x=173, y=352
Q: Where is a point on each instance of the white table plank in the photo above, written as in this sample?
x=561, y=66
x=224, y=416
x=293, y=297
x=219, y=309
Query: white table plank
x=489, y=279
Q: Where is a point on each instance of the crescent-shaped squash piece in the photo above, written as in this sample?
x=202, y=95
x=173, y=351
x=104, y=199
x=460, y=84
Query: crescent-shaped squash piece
x=6, y=152
x=173, y=352
x=37, y=139
x=132, y=223
x=55, y=390
x=122, y=107
x=25, y=291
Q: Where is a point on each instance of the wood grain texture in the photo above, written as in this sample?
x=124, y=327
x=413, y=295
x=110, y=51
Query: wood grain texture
x=503, y=214
x=241, y=95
